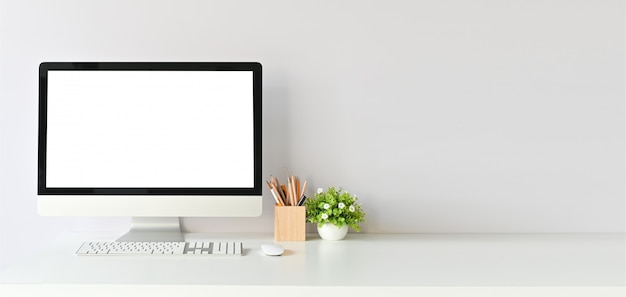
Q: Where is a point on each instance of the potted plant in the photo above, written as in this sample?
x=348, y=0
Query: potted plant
x=334, y=211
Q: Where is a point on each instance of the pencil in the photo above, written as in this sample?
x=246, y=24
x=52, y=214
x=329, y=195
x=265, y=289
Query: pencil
x=277, y=198
x=298, y=193
x=303, y=189
x=294, y=191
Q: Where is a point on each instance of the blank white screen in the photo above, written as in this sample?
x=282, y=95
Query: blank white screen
x=150, y=129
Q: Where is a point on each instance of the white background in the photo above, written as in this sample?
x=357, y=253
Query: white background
x=150, y=129
x=442, y=116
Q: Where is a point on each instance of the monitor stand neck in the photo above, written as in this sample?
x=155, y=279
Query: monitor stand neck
x=154, y=229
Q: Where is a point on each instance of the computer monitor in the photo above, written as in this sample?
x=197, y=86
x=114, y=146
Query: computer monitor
x=152, y=141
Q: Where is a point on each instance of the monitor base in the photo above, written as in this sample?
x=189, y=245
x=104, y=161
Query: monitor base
x=165, y=229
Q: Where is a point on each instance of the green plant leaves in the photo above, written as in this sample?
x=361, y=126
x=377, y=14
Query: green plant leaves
x=336, y=207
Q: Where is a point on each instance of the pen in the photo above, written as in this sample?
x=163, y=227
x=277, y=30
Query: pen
x=301, y=202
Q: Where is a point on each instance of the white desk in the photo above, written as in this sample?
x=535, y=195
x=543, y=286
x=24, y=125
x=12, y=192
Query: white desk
x=439, y=265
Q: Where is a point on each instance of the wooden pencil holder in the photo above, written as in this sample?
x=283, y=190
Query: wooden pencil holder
x=289, y=223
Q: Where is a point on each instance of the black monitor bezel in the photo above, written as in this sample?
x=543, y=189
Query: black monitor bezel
x=256, y=69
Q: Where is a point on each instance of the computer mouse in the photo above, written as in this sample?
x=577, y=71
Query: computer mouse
x=272, y=249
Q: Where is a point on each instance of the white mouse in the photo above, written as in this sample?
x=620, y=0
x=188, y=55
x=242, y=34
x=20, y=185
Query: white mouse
x=272, y=249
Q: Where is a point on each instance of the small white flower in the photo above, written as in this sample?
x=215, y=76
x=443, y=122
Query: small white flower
x=352, y=208
x=326, y=206
x=324, y=216
x=320, y=190
x=341, y=205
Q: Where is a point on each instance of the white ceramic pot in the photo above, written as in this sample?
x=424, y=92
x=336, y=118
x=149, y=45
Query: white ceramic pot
x=332, y=232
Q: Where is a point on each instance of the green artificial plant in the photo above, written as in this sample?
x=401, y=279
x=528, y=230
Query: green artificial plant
x=334, y=206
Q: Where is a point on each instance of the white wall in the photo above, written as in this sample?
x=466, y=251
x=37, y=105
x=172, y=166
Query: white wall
x=443, y=116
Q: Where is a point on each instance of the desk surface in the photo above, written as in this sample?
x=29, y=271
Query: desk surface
x=395, y=260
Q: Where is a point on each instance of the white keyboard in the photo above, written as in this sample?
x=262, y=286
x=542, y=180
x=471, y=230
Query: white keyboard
x=200, y=249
